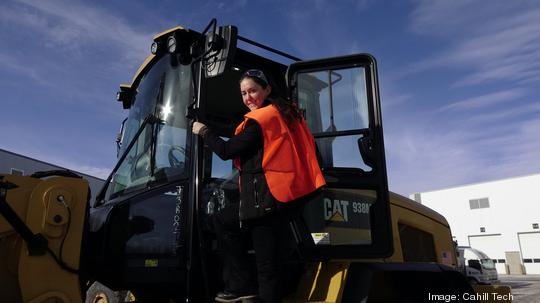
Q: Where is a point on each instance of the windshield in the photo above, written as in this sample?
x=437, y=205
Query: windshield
x=487, y=263
x=158, y=154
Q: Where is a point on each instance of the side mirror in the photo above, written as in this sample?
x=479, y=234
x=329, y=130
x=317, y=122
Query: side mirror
x=365, y=145
x=220, y=47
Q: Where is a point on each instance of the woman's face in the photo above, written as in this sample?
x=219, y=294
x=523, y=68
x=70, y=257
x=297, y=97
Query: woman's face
x=253, y=94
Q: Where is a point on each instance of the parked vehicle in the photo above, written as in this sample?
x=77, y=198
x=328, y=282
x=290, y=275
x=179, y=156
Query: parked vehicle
x=477, y=266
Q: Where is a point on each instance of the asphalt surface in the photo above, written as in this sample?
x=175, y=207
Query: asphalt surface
x=525, y=288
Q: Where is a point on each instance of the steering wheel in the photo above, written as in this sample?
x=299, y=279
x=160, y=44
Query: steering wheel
x=140, y=167
x=176, y=153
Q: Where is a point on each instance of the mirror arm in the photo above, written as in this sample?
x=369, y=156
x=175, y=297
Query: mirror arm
x=120, y=137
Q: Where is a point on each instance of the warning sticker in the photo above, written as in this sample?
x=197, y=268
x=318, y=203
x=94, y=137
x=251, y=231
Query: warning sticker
x=321, y=238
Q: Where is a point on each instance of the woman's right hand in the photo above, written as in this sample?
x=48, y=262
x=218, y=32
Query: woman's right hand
x=197, y=127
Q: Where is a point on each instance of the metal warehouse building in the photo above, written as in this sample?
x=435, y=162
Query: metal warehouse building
x=500, y=218
x=12, y=163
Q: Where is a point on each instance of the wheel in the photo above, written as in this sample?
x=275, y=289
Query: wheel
x=99, y=293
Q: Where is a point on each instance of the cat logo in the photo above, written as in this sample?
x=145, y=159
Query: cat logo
x=336, y=210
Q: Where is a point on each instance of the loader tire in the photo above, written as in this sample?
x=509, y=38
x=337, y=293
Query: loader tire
x=99, y=293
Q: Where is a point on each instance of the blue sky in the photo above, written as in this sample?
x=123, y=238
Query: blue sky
x=459, y=79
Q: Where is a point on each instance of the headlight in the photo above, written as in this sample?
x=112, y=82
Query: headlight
x=154, y=48
x=171, y=44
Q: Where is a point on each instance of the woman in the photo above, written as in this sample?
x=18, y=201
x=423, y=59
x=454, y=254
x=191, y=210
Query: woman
x=275, y=154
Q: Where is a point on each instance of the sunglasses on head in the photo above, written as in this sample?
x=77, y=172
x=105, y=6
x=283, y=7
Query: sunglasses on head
x=257, y=74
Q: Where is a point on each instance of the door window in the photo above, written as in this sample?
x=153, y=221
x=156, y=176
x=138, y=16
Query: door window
x=335, y=104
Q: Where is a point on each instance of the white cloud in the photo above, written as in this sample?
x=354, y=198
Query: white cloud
x=231, y=6
x=389, y=101
x=419, y=159
x=493, y=46
x=423, y=157
x=75, y=51
x=482, y=136
x=315, y=28
x=14, y=65
x=425, y=152
x=486, y=100
x=433, y=16
x=76, y=26
x=448, y=18
x=517, y=159
x=506, y=115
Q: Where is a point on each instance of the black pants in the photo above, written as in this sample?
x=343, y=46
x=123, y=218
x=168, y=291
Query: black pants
x=270, y=238
x=267, y=235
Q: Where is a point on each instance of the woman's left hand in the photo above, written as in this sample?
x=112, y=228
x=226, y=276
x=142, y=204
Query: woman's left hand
x=197, y=127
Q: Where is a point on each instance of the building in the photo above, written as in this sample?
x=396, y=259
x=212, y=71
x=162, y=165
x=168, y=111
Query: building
x=12, y=163
x=500, y=218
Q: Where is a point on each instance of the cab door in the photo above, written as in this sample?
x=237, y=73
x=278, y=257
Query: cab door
x=350, y=218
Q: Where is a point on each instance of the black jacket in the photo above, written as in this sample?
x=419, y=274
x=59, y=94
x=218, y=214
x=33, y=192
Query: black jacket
x=255, y=197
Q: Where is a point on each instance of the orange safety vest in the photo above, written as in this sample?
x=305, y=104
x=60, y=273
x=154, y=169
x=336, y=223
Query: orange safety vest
x=289, y=161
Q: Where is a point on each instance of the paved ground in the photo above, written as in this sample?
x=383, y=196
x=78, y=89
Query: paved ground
x=525, y=288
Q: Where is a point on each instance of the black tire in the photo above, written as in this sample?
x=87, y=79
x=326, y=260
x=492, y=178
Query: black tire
x=99, y=293
x=142, y=296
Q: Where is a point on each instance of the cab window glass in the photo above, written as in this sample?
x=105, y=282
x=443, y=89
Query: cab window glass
x=334, y=100
x=335, y=104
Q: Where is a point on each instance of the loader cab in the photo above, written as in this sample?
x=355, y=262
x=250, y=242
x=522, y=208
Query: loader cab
x=152, y=229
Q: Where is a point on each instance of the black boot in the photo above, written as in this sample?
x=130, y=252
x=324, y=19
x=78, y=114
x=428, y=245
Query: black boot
x=229, y=297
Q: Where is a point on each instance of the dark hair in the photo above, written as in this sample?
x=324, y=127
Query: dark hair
x=288, y=110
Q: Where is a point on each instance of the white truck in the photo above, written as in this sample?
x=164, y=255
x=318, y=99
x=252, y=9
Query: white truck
x=476, y=266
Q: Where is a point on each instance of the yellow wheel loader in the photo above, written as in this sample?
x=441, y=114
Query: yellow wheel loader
x=151, y=230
